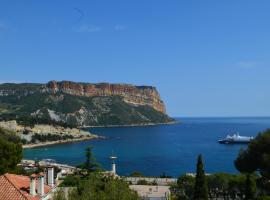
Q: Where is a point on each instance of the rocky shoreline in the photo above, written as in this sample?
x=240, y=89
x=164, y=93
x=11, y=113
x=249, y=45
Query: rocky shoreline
x=132, y=125
x=49, y=143
x=44, y=134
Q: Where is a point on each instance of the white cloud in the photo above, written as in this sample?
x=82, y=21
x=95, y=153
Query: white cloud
x=119, y=27
x=246, y=65
x=84, y=28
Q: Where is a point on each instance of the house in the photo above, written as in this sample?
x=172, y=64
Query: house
x=36, y=187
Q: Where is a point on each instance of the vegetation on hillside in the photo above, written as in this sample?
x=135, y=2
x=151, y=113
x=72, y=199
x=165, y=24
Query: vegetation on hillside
x=49, y=137
x=73, y=111
x=10, y=151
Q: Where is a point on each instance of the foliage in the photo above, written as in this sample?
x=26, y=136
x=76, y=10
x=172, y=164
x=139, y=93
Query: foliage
x=200, y=189
x=263, y=198
x=186, y=185
x=220, y=186
x=90, y=163
x=223, y=185
x=250, y=188
x=107, y=110
x=49, y=137
x=98, y=187
x=71, y=181
x=136, y=174
x=59, y=195
x=256, y=157
x=10, y=151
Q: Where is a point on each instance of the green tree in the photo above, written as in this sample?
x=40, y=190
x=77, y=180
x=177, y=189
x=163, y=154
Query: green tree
x=256, y=157
x=98, y=187
x=136, y=174
x=90, y=163
x=250, y=188
x=201, y=189
x=59, y=195
x=186, y=185
x=10, y=151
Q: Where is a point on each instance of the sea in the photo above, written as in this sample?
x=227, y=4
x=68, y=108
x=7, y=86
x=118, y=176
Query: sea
x=152, y=150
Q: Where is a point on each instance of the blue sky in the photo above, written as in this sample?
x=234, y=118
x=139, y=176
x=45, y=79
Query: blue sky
x=207, y=58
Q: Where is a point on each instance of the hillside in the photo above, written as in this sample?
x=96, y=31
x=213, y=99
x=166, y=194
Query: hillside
x=81, y=104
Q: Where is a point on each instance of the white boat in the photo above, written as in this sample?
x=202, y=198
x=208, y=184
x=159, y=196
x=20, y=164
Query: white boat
x=236, y=139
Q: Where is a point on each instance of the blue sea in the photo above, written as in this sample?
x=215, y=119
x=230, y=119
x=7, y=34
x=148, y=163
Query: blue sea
x=152, y=150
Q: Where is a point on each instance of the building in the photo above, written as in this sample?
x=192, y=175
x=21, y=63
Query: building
x=35, y=187
x=151, y=192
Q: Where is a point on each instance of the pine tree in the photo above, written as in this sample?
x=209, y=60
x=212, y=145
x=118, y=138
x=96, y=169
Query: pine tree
x=201, y=188
x=90, y=163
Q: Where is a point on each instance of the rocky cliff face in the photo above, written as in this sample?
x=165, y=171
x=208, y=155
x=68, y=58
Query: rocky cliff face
x=137, y=95
x=82, y=104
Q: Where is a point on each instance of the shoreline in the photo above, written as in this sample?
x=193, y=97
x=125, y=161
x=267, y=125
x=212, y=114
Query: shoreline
x=49, y=143
x=132, y=125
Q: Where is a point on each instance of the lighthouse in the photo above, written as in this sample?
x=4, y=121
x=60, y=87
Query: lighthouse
x=113, y=158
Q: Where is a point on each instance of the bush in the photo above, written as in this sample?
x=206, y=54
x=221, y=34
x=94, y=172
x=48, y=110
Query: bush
x=98, y=187
x=10, y=151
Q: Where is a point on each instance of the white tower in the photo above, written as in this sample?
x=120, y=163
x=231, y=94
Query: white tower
x=41, y=185
x=50, y=173
x=113, y=158
x=32, y=185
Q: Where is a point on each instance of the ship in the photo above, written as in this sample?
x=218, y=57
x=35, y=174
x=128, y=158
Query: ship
x=236, y=139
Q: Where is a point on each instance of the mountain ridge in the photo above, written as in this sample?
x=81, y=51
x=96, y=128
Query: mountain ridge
x=83, y=104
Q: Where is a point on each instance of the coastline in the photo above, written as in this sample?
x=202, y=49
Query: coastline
x=132, y=125
x=49, y=143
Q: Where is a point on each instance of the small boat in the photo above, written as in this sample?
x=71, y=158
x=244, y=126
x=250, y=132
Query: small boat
x=236, y=139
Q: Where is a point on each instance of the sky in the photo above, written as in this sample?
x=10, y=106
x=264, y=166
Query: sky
x=207, y=58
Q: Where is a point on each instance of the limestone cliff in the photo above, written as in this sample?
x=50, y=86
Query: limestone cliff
x=138, y=95
x=82, y=104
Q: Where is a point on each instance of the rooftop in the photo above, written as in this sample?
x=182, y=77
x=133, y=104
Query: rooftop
x=17, y=187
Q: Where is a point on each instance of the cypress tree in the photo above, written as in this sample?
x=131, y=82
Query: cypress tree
x=201, y=188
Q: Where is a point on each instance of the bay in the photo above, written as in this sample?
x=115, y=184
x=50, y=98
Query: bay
x=152, y=150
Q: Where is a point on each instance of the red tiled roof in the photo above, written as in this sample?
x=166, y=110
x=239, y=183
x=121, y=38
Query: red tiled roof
x=8, y=191
x=16, y=187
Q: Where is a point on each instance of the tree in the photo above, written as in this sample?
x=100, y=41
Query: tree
x=59, y=195
x=256, y=157
x=186, y=185
x=90, y=163
x=99, y=187
x=201, y=189
x=250, y=188
x=10, y=151
x=136, y=174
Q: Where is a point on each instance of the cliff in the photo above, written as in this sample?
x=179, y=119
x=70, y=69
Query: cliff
x=138, y=95
x=82, y=104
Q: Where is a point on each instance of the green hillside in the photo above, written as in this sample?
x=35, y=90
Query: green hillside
x=28, y=105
